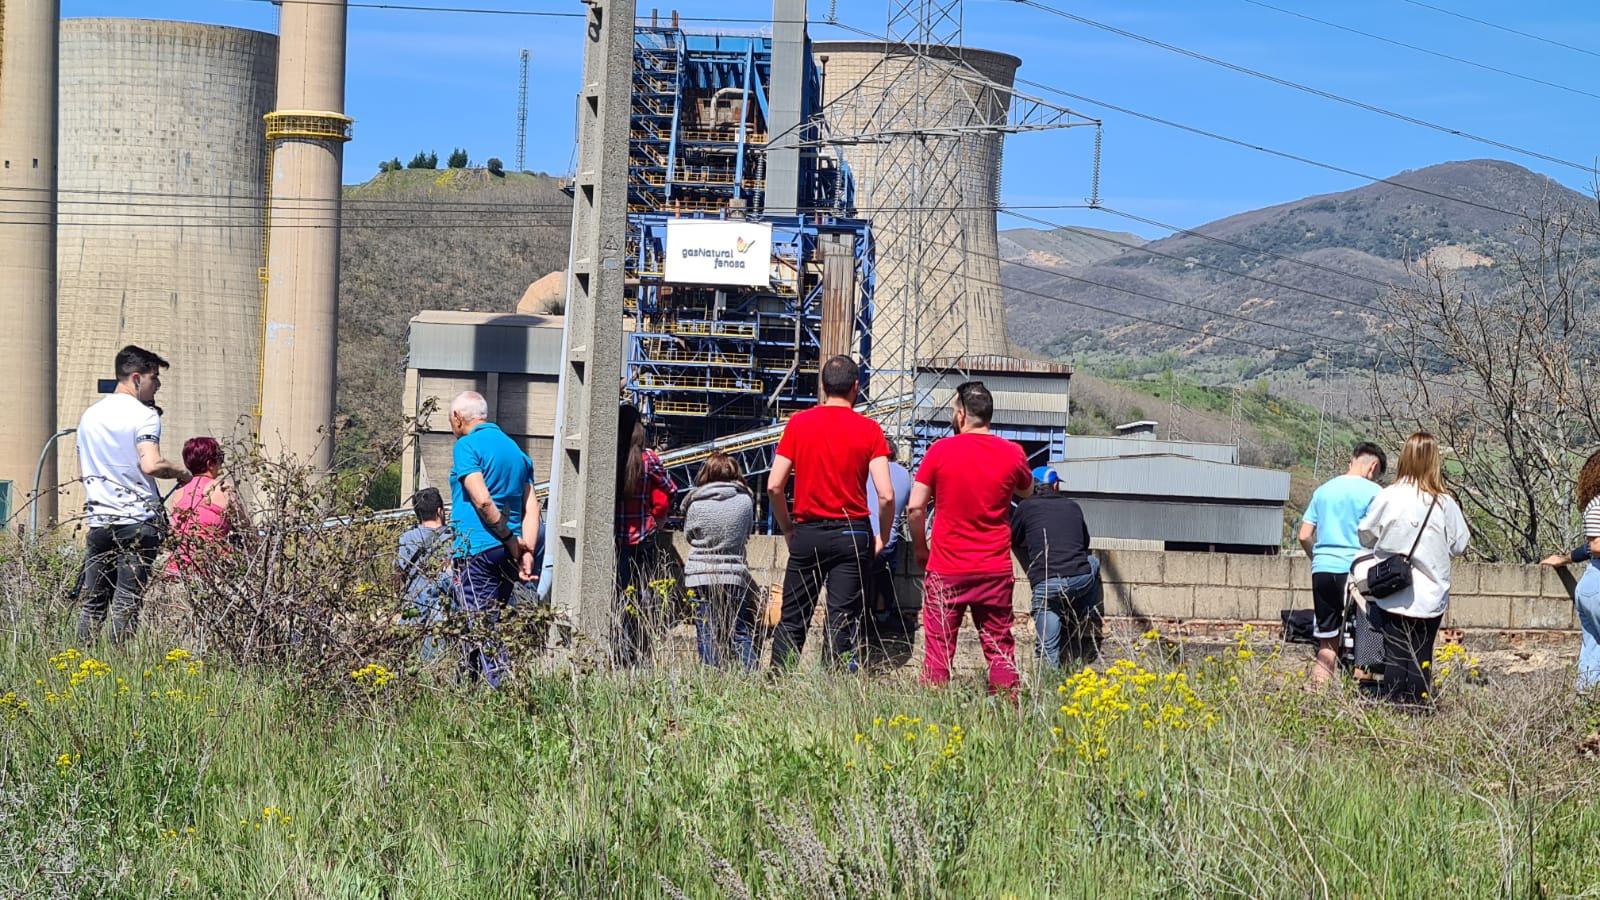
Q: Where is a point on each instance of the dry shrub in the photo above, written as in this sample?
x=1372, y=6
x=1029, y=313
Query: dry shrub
x=309, y=586
x=305, y=587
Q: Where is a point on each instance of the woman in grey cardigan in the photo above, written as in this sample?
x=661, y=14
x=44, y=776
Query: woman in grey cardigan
x=718, y=516
x=1415, y=517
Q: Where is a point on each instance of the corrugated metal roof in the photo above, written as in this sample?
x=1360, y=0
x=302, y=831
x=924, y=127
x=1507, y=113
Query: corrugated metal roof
x=989, y=365
x=1003, y=418
x=466, y=317
x=1182, y=521
x=486, y=342
x=1086, y=447
x=1006, y=401
x=1173, y=476
x=943, y=385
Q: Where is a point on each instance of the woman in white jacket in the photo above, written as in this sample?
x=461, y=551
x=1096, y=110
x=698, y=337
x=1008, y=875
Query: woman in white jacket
x=1417, y=503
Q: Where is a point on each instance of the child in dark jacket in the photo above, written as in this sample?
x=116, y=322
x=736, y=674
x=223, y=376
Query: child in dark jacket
x=718, y=516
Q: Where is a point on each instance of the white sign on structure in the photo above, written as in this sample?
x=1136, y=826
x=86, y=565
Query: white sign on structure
x=705, y=251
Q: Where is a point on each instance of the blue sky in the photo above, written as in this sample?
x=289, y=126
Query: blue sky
x=437, y=80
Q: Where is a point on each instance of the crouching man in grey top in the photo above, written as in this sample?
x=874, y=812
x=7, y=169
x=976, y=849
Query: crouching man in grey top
x=718, y=516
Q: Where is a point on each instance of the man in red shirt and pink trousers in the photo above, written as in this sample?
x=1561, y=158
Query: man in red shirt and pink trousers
x=970, y=478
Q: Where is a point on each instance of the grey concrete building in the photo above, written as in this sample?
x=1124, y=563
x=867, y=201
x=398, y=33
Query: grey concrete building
x=514, y=361
x=1187, y=496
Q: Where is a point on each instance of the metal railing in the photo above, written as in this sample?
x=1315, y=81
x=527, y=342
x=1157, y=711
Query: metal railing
x=711, y=329
x=679, y=408
x=719, y=136
x=662, y=382
x=308, y=124
x=701, y=358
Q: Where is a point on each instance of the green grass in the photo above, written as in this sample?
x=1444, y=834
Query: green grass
x=676, y=782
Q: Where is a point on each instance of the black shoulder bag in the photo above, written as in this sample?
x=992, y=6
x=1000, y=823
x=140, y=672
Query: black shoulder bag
x=1393, y=575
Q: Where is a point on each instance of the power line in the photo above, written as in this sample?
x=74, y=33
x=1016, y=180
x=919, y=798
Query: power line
x=1505, y=28
x=1163, y=300
x=1299, y=86
x=505, y=209
x=1318, y=350
x=1146, y=249
x=1435, y=53
x=244, y=204
x=1376, y=282
x=1281, y=154
x=501, y=11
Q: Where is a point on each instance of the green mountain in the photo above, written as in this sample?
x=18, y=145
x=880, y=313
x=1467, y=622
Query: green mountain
x=1290, y=278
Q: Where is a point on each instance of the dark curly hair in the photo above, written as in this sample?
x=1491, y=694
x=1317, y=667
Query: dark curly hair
x=1589, y=480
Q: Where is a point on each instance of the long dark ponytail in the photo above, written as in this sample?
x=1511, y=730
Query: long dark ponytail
x=630, y=452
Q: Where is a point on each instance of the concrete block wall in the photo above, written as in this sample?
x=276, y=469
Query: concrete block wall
x=1227, y=588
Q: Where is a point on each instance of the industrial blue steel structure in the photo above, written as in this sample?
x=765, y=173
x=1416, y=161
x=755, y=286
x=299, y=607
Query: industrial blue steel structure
x=700, y=113
x=705, y=362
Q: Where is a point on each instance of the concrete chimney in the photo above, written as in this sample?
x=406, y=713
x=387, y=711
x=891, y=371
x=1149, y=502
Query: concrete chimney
x=29, y=76
x=783, y=119
x=307, y=133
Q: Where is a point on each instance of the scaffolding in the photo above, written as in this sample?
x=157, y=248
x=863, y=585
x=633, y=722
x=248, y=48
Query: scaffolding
x=699, y=126
x=925, y=123
x=703, y=362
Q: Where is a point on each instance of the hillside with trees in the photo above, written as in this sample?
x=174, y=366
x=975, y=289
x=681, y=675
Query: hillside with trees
x=418, y=239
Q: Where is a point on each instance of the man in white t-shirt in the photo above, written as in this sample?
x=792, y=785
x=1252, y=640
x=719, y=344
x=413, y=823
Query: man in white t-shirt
x=119, y=454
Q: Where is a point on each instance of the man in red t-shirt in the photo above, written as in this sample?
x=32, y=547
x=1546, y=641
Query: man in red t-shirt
x=831, y=450
x=971, y=478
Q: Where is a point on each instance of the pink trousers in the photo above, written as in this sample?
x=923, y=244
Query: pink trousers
x=946, y=599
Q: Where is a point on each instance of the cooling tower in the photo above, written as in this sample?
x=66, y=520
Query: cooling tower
x=161, y=215
x=953, y=265
x=308, y=130
x=27, y=240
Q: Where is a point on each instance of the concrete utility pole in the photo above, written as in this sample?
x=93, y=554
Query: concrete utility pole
x=306, y=135
x=587, y=453
x=29, y=74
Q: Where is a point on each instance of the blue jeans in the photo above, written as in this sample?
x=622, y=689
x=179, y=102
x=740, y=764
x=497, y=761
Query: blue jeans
x=1588, y=600
x=484, y=583
x=426, y=610
x=1066, y=617
x=724, y=619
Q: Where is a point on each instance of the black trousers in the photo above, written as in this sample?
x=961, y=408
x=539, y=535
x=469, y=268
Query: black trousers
x=1407, y=654
x=115, y=575
x=638, y=614
x=835, y=554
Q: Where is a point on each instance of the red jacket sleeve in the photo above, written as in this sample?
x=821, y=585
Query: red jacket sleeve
x=660, y=489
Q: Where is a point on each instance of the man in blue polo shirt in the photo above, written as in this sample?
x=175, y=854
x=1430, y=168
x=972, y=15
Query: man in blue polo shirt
x=495, y=515
x=1329, y=535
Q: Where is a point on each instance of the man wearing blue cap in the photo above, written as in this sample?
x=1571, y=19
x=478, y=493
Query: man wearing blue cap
x=1052, y=540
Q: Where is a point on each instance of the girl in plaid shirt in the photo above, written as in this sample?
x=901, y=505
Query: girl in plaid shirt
x=644, y=498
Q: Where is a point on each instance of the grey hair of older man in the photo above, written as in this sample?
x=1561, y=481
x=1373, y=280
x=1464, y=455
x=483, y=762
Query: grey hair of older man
x=471, y=406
